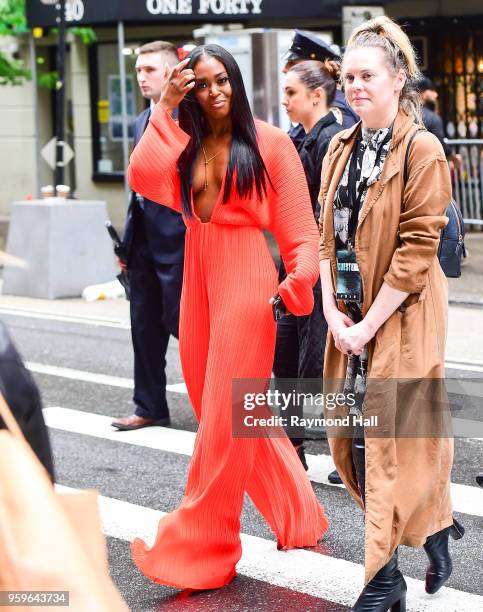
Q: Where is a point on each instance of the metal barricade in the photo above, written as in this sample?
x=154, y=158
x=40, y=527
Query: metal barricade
x=468, y=179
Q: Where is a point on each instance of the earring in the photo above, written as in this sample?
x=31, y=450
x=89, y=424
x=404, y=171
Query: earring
x=315, y=102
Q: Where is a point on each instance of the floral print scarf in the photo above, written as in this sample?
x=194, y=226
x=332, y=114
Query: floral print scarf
x=367, y=148
x=366, y=167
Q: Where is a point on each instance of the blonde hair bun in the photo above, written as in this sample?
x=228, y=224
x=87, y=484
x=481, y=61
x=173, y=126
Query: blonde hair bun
x=386, y=34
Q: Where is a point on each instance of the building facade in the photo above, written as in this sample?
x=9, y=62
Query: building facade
x=447, y=33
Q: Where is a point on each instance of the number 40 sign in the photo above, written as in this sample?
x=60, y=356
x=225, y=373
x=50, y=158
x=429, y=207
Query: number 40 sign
x=74, y=10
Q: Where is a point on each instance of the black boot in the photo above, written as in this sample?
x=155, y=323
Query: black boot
x=334, y=478
x=440, y=564
x=386, y=591
x=301, y=453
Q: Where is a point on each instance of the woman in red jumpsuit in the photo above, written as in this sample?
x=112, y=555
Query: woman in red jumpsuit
x=230, y=176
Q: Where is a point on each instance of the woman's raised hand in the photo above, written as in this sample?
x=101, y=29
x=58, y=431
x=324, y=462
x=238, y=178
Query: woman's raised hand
x=179, y=82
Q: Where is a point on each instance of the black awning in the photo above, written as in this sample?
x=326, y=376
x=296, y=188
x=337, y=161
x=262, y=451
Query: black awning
x=98, y=12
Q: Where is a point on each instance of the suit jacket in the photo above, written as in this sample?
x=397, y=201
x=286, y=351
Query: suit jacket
x=22, y=395
x=164, y=228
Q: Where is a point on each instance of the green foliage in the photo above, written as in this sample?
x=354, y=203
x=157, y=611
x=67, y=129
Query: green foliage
x=48, y=79
x=87, y=35
x=13, y=22
x=12, y=72
x=12, y=17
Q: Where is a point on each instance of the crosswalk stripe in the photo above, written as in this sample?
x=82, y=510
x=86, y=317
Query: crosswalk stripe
x=466, y=499
x=65, y=318
x=463, y=365
x=463, y=387
x=91, y=377
x=329, y=578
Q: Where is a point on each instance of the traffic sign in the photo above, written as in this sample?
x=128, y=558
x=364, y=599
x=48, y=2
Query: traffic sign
x=49, y=153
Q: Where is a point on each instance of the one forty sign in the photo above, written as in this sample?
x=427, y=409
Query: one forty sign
x=104, y=12
x=205, y=7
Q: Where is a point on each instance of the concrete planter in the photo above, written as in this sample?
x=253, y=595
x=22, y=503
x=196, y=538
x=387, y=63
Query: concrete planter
x=65, y=245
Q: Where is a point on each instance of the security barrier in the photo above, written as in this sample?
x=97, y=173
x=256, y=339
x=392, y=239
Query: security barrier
x=468, y=179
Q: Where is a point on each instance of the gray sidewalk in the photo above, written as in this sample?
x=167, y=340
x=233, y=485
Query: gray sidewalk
x=468, y=289
x=465, y=335
x=464, y=344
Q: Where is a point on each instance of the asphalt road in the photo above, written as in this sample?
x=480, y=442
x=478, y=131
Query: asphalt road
x=149, y=478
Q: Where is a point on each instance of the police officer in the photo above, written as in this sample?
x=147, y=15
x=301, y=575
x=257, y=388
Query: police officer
x=431, y=120
x=154, y=237
x=308, y=46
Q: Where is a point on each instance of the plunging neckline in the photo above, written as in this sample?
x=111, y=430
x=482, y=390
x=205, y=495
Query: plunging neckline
x=215, y=205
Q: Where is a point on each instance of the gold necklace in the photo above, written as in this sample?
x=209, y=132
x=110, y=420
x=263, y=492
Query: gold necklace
x=207, y=161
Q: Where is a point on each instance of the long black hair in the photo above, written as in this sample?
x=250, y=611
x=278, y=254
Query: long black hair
x=244, y=152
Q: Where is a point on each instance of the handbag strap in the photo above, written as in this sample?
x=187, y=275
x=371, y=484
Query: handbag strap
x=9, y=420
x=408, y=149
x=406, y=160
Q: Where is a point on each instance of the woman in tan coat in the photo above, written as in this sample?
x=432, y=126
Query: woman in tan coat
x=385, y=301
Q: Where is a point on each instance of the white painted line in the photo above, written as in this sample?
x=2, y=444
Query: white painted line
x=300, y=570
x=63, y=318
x=466, y=499
x=91, y=377
x=459, y=386
x=464, y=366
x=98, y=426
x=320, y=466
x=99, y=379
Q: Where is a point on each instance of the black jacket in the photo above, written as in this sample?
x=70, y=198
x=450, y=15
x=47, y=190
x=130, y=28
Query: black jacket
x=22, y=395
x=349, y=118
x=434, y=124
x=164, y=228
x=312, y=153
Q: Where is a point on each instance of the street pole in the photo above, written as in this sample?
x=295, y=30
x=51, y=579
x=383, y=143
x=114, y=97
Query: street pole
x=35, y=102
x=60, y=97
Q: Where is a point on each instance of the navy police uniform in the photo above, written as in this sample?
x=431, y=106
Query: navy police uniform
x=308, y=46
x=154, y=238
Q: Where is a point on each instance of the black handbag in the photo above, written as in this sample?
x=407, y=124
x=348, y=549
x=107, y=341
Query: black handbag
x=451, y=243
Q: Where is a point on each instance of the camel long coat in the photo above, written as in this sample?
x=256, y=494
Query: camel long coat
x=407, y=478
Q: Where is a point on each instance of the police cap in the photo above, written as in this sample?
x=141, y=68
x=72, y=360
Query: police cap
x=423, y=84
x=308, y=46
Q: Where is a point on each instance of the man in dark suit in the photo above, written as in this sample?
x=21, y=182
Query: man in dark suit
x=154, y=238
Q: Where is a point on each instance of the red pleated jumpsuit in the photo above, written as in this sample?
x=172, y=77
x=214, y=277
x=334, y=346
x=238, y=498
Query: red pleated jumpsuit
x=227, y=332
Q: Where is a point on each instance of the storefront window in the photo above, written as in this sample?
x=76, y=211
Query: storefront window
x=453, y=57
x=106, y=107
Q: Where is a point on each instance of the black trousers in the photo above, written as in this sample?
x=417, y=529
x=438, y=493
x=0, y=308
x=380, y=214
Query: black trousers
x=155, y=302
x=300, y=347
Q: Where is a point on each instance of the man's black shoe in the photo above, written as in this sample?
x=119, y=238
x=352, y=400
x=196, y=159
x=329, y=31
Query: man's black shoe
x=133, y=422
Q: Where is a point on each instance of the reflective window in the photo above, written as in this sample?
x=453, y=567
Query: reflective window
x=106, y=107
